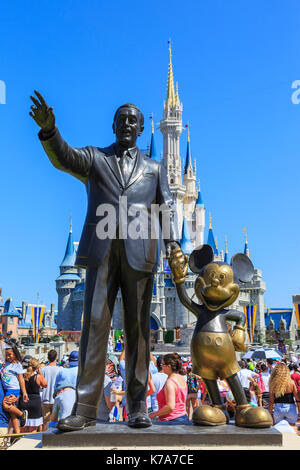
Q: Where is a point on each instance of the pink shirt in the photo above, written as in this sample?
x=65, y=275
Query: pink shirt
x=180, y=397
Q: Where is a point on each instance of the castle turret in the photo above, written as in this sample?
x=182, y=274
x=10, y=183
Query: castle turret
x=65, y=284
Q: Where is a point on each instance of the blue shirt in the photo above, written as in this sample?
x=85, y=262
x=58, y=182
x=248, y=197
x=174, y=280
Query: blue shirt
x=9, y=375
x=66, y=377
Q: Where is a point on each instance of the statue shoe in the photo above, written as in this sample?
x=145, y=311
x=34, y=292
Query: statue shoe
x=206, y=415
x=139, y=420
x=247, y=416
x=75, y=423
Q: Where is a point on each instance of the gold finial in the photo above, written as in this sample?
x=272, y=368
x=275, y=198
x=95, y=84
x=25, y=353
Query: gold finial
x=245, y=230
x=188, y=137
x=198, y=186
x=170, y=91
x=71, y=226
x=152, y=124
x=226, y=247
x=210, y=226
x=216, y=242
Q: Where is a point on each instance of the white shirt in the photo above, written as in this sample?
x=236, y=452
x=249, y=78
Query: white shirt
x=244, y=375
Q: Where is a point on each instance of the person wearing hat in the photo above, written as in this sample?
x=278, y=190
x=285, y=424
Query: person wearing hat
x=67, y=376
x=281, y=346
x=64, y=388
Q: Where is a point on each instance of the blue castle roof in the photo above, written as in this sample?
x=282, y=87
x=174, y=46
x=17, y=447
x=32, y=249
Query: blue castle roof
x=211, y=241
x=70, y=253
x=185, y=242
x=9, y=308
x=188, y=158
x=199, y=202
x=153, y=153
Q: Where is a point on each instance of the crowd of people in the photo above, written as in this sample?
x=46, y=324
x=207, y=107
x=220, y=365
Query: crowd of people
x=34, y=396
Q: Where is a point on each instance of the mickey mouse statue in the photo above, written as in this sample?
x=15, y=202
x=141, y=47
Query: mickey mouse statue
x=213, y=347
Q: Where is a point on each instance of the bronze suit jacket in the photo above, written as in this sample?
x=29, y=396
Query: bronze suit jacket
x=99, y=170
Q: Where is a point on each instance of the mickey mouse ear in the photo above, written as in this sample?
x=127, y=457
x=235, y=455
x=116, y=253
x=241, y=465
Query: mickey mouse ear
x=200, y=257
x=242, y=267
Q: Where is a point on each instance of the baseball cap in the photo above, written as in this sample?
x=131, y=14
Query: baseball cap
x=73, y=358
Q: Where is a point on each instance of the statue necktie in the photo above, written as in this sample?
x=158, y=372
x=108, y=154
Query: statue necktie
x=125, y=165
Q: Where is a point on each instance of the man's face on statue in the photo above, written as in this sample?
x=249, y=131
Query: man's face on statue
x=127, y=127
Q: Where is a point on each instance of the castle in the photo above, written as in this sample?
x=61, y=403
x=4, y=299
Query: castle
x=167, y=312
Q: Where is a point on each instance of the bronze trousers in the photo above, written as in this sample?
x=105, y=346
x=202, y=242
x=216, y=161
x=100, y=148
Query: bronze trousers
x=101, y=288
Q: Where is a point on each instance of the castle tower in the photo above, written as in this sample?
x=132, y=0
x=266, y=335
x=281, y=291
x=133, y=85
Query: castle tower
x=189, y=179
x=171, y=128
x=65, y=285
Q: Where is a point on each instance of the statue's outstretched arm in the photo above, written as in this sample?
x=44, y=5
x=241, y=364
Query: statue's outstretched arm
x=76, y=161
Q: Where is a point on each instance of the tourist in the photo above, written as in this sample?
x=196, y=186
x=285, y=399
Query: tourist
x=172, y=397
x=34, y=381
x=159, y=380
x=49, y=372
x=270, y=365
x=246, y=376
x=63, y=403
x=283, y=393
x=13, y=382
x=193, y=384
x=263, y=381
x=295, y=376
x=108, y=399
x=4, y=415
x=255, y=393
x=67, y=376
x=281, y=347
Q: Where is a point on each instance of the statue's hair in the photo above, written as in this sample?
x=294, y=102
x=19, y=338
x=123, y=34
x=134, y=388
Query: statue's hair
x=279, y=380
x=130, y=105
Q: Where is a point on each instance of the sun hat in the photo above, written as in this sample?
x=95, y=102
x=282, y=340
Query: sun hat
x=73, y=358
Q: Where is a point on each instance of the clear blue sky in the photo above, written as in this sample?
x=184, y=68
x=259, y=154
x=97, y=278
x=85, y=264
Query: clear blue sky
x=235, y=62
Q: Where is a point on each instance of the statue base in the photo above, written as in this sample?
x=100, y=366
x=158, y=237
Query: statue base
x=118, y=434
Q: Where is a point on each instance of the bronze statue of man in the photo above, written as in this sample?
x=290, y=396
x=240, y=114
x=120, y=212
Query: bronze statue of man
x=116, y=262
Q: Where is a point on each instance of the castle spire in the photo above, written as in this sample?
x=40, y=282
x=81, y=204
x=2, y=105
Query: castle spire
x=152, y=153
x=69, y=257
x=211, y=239
x=199, y=202
x=226, y=251
x=171, y=99
x=246, y=249
x=188, y=158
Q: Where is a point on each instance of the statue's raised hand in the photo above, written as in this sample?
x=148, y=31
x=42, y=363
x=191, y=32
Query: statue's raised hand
x=42, y=113
x=178, y=263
